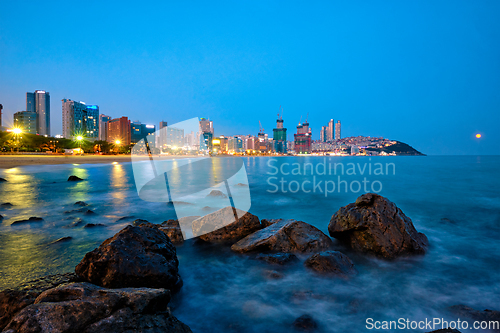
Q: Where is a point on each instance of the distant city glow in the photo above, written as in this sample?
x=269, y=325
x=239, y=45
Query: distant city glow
x=478, y=136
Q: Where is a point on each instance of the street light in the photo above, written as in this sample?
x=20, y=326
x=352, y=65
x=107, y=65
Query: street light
x=17, y=131
x=118, y=142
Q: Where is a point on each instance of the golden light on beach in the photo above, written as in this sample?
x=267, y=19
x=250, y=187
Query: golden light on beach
x=478, y=136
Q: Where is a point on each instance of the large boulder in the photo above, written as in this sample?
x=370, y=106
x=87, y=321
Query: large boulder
x=213, y=228
x=172, y=229
x=375, y=225
x=331, y=263
x=86, y=308
x=285, y=236
x=135, y=257
x=15, y=299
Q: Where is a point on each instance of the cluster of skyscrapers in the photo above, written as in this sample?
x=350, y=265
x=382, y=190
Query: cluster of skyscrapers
x=36, y=118
x=331, y=132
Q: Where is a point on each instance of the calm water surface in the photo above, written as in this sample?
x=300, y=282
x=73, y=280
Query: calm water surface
x=455, y=201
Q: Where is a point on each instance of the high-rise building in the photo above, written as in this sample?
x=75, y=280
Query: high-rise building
x=139, y=131
x=337, y=131
x=119, y=130
x=103, y=127
x=322, y=134
x=80, y=119
x=206, y=125
x=39, y=102
x=330, y=131
x=303, y=139
x=279, y=137
x=26, y=120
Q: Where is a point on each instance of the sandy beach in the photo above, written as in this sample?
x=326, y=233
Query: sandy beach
x=12, y=161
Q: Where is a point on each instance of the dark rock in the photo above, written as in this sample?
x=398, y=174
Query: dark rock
x=76, y=223
x=89, y=212
x=135, y=257
x=15, y=299
x=217, y=194
x=62, y=240
x=464, y=311
x=173, y=230
x=31, y=219
x=79, y=210
x=81, y=203
x=278, y=258
x=305, y=323
x=125, y=218
x=213, y=228
x=331, y=263
x=375, y=225
x=285, y=236
x=1, y=217
x=3, y=180
x=74, y=179
x=94, y=225
x=138, y=222
x=83, y=307
x=273, y=275
x=7, y=204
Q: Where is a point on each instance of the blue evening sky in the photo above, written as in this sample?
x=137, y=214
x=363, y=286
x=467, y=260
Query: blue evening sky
x=423, y=72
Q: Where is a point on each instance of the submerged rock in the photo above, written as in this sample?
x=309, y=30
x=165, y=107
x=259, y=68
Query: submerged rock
x=76, y=223
x=83, y=307
x=2, y=180
x=62, y=240
x=375, y=225
x=1, y=217
x=6, y=204
x=89, y=212
x=305, y=323
x=125, y=218
x=331, y=263
x=217, y=194
x=14, y=299
x=94, y=225
x=135, y=257
x=285, y=236
x=31, y=219
x=213, y=227
x=81, y=203
x=278, y=258
x=464, y=311
x=74, y=178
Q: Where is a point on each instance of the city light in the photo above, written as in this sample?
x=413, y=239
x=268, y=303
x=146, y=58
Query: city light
x=478, y=136
x=17, y=131
x=118, y=142
x=79, y=138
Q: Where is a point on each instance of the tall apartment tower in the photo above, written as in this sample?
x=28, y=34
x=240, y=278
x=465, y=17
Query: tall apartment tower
x=322, y=134
x=39, y=102
x=119, y=130
x=80, y=119
x=25, y=120
x=279, y=136
x=330, y=131
x=337, y=131
x=103, y=127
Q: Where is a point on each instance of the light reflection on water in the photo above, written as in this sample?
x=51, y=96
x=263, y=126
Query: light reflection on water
x=231, y=292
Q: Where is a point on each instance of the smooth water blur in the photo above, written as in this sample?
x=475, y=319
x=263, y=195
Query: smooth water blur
x=455, y=201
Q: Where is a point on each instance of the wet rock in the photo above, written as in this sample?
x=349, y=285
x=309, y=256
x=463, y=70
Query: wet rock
x=217, y=194
x=94, y=225
x=31, y=219
x=305, y=323
x=173, y=230
x=135, y=257
x=138, y=222
x=278, y=258
x=79, y=210
x=267, y=222
x=76, y=223
x=74, y=179
x=62, y=240
x=331, y=263
x=83, y=307
x=2, y=180
x=89, y=212
x=7, y=204
x=81, y=203
x=463, y=311
x=125, y=218
x=285, y=236
x=375, y=225
x=1, y=217
x=213, y=228
x=15, y=299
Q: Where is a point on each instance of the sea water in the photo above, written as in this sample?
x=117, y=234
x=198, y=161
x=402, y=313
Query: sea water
x=454, y=200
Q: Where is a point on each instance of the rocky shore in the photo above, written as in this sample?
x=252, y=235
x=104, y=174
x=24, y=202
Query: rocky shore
x=126, y=284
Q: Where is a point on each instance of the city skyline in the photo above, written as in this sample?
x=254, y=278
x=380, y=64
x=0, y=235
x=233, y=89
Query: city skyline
x=390, y=70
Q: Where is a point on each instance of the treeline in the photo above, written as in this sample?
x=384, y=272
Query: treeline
x=10, y=142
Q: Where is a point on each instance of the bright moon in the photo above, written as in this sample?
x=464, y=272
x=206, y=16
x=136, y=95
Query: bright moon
x=478, y=135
